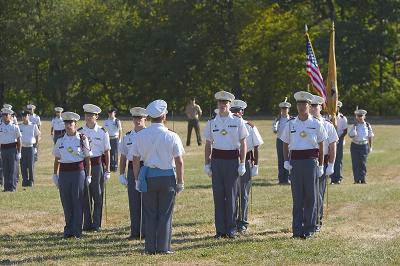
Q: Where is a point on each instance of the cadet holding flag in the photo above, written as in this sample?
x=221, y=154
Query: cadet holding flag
x=160, y=178
x=10, y=140
x=72, y=155
x=100, y=145
x=329, y=155
x=253, y=141
x=225, y=161
x=277, y=128
x=135, y=200
x=303, y=150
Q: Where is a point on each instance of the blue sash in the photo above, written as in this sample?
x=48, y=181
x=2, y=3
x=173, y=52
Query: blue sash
x=146, y=172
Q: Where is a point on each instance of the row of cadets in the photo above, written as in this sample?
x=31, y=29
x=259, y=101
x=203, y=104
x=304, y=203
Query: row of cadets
x=303, y=150
x=253, y=141
x=139, y=115
x=225, y=156
x=99, y=142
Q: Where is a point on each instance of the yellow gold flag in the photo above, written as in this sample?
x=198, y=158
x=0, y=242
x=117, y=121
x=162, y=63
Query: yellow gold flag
x=331, y=82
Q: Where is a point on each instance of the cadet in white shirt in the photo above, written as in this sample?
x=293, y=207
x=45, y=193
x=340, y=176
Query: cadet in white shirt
x=303, y=150
x=160, y=178
x=57, y=125
x=100, y=145
x=361, y=135
x=30, y=136
x=277, y=128
x=253, y=141
x=14, y=119
x=329, y=155
x=225, y=161
x=72, y=156
x=114, y=129
x=341, y=128
x=35, y=119
x=10, y=143
x=135, y=201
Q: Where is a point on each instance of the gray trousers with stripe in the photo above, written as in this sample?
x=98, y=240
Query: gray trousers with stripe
x=225, y=189
x=95, y=199
x=135, y=206
x=304, y=194
x=359, y=156
x=10, y=165
x=243, y=194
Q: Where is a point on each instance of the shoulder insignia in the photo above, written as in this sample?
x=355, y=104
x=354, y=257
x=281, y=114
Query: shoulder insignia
x=79, y=129
x=171, y=130
x=327, y=120
x=129, y=132
x=250, y=124
x=105, y=130
x=236, y=115
x=341, y=115
x=292, y=118
x=316, y=118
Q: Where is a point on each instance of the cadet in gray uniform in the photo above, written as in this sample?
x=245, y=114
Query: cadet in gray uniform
x=57, y=125
x=100, y=145
x=72, y=155
x=160, y=178
x=30, y=136
x=10, y=140
x=135, y=200
x=253, y=141
x=361, y=136
x=114, y=129
x=225, y=155
x=277, y=128
x=303, y=150
x=341, y=128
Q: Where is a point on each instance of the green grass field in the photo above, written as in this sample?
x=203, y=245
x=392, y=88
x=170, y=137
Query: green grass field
x=362, y=227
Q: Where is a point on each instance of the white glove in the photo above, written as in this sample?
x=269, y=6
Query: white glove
x=35, y=150
x=370, y=149
x=123, y=180
x=254, y=170
x=55, y=180
x=179, y=188
x=242, y=169
x=329, y=170
x=107, y=175
x=320, y=171
x=137, y=185
x=287, y=165
x=88, y=180
x=18, y=156
x=207, y=170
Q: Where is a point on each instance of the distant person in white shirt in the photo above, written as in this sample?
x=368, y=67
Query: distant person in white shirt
x=114, y=129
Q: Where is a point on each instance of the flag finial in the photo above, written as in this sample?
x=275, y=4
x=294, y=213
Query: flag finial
x=306, y=28
x=285, y=99
x=333, y=25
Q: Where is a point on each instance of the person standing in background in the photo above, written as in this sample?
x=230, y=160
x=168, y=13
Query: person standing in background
x=193, y=113
x=114, y=129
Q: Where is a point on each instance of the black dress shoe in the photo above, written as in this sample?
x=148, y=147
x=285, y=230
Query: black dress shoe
x=363, y=182
x=309, y=235
x=97, y=229
x=230, y=235
x=218, y=235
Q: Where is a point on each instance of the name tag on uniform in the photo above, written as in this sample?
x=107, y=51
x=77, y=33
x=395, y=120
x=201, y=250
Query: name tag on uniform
x=293, y=131
x=311, y=127
x=129, y=143
x=61, y=147
x=98, y=138
x=215, y=130
x=232, y=125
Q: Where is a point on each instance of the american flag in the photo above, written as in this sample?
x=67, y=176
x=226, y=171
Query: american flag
x=313, y=69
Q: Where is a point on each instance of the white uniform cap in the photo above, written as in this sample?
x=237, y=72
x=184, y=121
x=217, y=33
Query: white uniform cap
x=239, y=104
x=339, y=104
x=59, y=109
x=70, y=116
x=285, y=104
x=91, y=108
x=360, y=112
x=31, y=107
x=157, y=108
x=6, y=105
x=303, y=96
x=138, y=111
x=317, y=100
x=6, y=111
x=224, y=96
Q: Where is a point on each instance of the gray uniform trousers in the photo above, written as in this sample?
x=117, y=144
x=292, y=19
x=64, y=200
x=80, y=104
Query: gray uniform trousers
x=321, y=186
x=359, y=155
x=243, y=193
x=303, y=177
x=283, y=174
x=114, y=154
x=27, y=165
x=158, y=206
x=225, y=188
x=95, y=199
x=135, y=202
x=338, y=168
x=10, y=165
x=1, y=172
x=71, y=186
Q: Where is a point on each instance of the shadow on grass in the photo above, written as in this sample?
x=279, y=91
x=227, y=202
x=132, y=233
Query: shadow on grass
x=263, y=183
